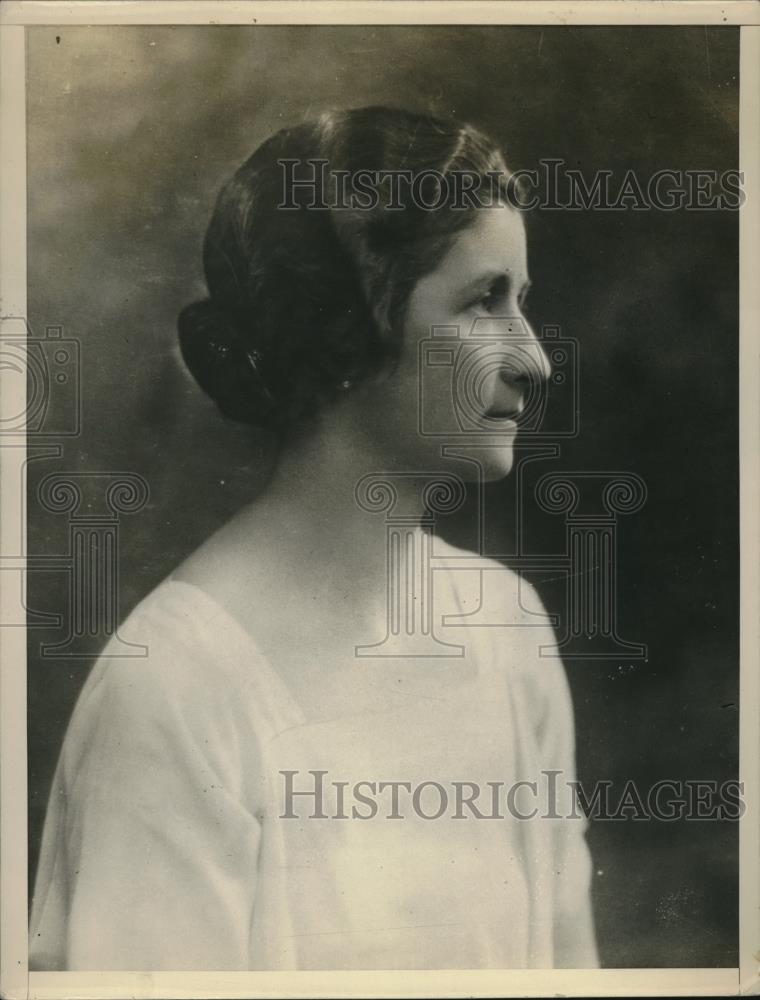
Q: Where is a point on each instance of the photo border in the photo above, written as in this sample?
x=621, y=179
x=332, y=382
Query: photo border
x=15, y=979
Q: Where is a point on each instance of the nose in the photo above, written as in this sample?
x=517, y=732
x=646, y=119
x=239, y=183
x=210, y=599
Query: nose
x=529, y=366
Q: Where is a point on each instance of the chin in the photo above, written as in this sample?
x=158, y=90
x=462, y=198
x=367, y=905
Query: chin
x=496, y=463
x=479, y=464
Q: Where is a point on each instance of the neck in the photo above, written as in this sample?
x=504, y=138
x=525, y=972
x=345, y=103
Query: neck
x=313, y=519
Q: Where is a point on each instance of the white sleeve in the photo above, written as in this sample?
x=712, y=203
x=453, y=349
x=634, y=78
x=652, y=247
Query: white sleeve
x=149, y=855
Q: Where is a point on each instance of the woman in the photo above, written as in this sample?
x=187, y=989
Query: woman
x=256, y=792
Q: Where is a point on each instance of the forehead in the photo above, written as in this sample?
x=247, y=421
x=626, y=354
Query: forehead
x=494, y=242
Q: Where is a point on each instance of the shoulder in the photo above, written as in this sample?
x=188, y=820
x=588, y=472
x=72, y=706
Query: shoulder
x=504, y=597
x=182, y=691
x=509, y=611
x=181, y=644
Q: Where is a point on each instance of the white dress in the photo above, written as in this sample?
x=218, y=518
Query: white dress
x=170, y=842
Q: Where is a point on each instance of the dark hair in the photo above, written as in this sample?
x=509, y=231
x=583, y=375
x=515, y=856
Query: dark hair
x=305, y=299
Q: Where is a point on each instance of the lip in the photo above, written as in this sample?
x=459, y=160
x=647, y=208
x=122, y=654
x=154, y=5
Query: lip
x=505, y=421
x=504, y=416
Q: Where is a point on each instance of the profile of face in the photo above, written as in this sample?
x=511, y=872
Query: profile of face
x=304, y=304
x=469, y=361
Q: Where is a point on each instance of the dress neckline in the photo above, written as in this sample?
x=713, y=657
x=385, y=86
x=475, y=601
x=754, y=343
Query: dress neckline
x=277, y=684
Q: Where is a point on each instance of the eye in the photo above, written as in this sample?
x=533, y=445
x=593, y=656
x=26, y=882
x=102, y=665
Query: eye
x=496, y=295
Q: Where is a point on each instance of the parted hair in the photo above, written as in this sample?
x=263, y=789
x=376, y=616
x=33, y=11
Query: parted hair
x=305, y=300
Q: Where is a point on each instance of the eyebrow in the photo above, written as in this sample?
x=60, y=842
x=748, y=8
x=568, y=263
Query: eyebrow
x=485, y=279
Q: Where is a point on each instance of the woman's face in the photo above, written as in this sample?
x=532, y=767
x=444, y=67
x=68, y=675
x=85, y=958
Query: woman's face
x=470, y=361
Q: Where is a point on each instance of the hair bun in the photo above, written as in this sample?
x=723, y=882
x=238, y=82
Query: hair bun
x=223, y=365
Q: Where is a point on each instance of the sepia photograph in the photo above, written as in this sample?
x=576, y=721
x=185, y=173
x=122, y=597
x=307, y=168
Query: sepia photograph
x=379, y=552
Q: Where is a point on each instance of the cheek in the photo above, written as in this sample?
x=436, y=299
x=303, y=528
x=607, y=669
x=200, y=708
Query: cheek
x=429, y=305
x=404, y=392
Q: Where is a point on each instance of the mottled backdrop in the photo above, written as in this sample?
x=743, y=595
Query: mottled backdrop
x=130, y=133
